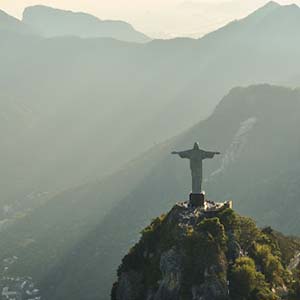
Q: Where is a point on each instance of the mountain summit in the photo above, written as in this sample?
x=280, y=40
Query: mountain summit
x=269, y=6
x=51, y=22
x=271, y=22
x=190, y=254
x=273, y=11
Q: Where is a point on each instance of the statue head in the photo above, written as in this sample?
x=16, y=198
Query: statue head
x=196, y=146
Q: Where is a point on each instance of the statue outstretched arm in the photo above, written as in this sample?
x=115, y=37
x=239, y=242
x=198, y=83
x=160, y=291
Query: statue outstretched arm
x=209, y=154
x=183, y=154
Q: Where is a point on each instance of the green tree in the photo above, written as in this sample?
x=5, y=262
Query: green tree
x=244, y=279
x=247, y=232
x=270, y=264
x=214, y=229
x=229, y=219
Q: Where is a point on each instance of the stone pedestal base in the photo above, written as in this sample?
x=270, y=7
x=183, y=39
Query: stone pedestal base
x=197, y=200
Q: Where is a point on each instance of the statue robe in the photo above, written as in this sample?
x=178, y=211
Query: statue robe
x=196, y=156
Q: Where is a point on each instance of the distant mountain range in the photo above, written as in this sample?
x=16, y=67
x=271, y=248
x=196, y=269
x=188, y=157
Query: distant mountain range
x=68, y=95
x=51, y=22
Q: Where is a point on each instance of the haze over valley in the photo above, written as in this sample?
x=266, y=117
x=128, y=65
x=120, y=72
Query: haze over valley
x=90, y=111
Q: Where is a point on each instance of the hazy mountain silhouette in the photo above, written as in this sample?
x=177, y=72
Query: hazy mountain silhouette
x=271, y=18
x=70, y=102
x=13, y=25
x=260, y=174
x=51, y=22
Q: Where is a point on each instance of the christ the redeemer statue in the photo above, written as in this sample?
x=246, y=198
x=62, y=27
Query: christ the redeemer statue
x=196, y=156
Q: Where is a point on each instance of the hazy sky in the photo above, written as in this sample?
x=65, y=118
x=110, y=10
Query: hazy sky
x=157, y=18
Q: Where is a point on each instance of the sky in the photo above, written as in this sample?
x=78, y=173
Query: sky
x=157, y=18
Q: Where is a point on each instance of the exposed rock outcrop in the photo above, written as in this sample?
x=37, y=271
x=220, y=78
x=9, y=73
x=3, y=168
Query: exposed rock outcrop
x=191, y=254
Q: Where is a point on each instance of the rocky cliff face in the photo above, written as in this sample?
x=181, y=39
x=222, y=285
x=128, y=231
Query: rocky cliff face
x=196, y=255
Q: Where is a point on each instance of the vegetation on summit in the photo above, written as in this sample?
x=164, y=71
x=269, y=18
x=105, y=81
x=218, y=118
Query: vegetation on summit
x=225, y=256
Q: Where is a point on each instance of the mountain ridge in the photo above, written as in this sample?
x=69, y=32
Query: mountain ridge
x=272, y=13
x=11, y=24
x=154, y=82
x=51, y=22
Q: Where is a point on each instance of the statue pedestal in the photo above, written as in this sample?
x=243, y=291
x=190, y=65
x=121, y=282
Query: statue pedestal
x=197, y=200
